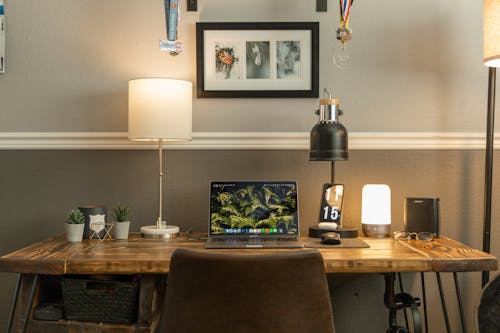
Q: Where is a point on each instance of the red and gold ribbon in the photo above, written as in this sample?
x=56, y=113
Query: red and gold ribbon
x=344, y=32
x=345, y=8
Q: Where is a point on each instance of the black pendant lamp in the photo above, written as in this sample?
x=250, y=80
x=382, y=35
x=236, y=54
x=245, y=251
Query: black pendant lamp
x=329, y=136
x=328, y=142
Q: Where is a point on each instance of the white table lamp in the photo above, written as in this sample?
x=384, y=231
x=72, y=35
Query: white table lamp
x=160, y=110
x=376, y=210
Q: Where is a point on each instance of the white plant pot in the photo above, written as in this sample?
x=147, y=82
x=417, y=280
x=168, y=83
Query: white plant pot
x=74, y=232
x=120, y=230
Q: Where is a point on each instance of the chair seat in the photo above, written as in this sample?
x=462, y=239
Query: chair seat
x=488, y=309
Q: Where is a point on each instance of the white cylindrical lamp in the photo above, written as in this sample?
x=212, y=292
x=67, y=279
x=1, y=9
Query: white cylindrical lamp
x=376, y=210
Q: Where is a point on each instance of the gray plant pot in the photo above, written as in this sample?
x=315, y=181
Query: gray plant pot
x=74, y=232
x=120, y=230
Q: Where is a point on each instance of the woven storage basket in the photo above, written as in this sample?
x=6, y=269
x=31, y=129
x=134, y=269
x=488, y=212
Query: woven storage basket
x=100, y=301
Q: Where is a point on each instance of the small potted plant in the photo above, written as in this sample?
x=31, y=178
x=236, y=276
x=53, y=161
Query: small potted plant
x=121, y=222
x=75, y=223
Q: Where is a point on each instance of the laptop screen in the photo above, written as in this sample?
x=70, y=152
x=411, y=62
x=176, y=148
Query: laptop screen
x=254, y=208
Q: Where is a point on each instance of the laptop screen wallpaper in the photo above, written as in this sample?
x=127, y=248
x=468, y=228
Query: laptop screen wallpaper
x=253, y=208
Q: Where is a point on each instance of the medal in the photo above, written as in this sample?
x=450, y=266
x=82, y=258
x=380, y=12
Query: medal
x=341, y=55
x=344, y=32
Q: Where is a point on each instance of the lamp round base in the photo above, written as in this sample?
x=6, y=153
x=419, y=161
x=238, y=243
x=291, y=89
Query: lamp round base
x=344, y=232
x=152, y=231
x=376, y=230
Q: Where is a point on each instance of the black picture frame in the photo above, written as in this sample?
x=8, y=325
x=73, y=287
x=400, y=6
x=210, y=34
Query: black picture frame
x=286, y=55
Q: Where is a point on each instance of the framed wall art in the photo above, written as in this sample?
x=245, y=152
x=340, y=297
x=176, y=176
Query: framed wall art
x=260, y=59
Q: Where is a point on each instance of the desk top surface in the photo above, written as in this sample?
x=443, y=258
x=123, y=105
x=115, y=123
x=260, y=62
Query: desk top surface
x=152, y=256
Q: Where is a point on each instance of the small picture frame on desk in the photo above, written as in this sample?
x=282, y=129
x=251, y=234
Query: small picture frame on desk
x=257, y=60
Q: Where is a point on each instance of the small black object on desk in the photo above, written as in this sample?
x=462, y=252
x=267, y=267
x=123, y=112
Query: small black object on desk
x=344, y=232
x=330, y=238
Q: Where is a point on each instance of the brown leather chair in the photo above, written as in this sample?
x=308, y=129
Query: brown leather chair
x=259, y=293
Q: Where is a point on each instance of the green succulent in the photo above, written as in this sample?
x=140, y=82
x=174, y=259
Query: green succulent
x=120, y=213
x=75, y=216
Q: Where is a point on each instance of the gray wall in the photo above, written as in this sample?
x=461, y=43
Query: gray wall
x=416, y=67
x=38, y=186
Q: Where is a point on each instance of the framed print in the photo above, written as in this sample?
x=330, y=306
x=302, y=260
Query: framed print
x=261, y=59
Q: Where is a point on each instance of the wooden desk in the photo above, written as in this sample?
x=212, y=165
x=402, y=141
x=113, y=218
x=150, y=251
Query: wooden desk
x=152, y=256
x=151, y=259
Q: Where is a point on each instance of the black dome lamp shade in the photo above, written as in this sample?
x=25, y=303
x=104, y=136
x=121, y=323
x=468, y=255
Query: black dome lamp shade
x=328, y=140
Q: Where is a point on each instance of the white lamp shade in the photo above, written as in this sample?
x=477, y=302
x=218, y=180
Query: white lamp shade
x=376, y=204
x=160, y=109
x=491, y=26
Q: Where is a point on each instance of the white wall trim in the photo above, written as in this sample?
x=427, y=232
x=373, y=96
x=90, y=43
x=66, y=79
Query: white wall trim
x=243, y=140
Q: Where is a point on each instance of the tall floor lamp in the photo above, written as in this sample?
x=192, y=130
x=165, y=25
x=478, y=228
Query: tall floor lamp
x=491, y=21
x=160, y=110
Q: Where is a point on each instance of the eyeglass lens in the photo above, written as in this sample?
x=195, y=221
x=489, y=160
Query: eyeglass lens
x=421, y=236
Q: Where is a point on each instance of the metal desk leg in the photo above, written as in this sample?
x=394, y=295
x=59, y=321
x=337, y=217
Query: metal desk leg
x=424, y=300
x=14, y=302
x=30, y=303
x=397, y=302
x=459, y=299
x=400, y=278
x=443, y=302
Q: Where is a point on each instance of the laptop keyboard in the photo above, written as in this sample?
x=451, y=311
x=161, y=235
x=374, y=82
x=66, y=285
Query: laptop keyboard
x=252, y=239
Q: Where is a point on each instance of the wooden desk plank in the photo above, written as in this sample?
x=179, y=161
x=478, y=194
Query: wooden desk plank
x=152, y=256
x=384, y=255
x=448, y=255
x=133, y=256
x=45, y=257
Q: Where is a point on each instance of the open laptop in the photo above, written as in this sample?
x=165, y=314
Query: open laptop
x=258, y=214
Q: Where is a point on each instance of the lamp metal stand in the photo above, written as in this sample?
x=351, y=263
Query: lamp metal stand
x=488, y=178
x=160, y=188
x=333, y=173
x=161, y=229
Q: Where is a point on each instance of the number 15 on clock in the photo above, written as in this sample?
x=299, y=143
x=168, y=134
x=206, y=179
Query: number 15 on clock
x=330, y=213
x=331, y=203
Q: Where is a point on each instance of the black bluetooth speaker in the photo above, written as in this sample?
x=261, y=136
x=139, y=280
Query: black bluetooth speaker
x=422, y=215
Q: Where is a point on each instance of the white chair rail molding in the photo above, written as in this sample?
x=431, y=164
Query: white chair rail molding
x=245, y=140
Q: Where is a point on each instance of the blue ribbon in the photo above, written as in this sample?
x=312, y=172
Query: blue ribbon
x=171, y=17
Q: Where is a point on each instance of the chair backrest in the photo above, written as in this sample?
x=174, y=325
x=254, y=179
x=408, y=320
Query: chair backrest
x=488, y=309
x=239, y=293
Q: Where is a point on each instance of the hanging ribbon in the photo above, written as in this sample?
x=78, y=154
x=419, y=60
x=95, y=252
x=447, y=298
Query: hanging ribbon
x=344, y=32
x=2, y=38
x=171, y=44
x=345, y=6
x=171, y=15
